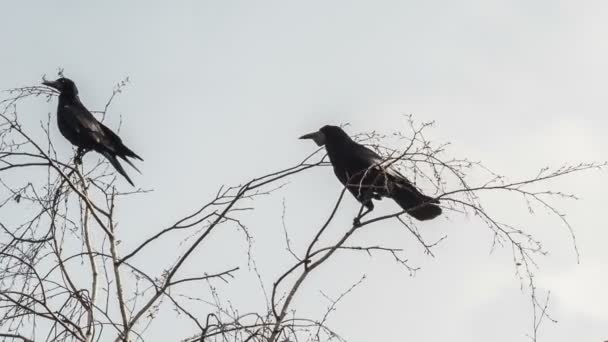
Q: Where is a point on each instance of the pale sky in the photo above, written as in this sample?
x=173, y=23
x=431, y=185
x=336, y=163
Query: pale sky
x=220, y=91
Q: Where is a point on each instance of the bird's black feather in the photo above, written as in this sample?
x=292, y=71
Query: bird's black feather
x=83, y=130
x=367, y=176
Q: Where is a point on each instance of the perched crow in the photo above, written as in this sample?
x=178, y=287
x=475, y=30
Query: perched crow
x=81, y=128
x=367, y=176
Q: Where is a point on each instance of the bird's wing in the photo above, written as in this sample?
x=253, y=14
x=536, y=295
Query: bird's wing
x=79, y=120
x=113, y=141
x=364, y=155
x=397, y=183
x=373, y=159
x=363, y=167
x=94, y=132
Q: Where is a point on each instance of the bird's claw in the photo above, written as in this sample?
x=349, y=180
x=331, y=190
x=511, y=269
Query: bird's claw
x=79, y=154
x=357, y=221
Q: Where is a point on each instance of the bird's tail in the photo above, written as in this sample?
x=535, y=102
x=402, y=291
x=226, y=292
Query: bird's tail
x=116, y=145
x=418, y=205
x=127, y=152
x=131, y=163
x=112, y=159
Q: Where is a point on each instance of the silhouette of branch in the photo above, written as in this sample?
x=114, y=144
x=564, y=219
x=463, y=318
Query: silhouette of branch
x=63, y=276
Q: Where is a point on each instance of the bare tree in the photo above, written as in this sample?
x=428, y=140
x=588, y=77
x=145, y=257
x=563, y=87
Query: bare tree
x=63, y=276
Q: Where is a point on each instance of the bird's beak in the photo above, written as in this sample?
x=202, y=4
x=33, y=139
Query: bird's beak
x=318, y=137
x=51, y=84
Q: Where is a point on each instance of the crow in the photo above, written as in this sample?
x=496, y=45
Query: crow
x=81, y=128
x=367, y=176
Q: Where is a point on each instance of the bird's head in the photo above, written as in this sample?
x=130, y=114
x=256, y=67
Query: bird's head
x=64, y=85
x=326, y=134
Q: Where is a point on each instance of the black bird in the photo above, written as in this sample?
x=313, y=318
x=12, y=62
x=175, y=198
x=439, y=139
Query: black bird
x=83, y=130
x=367, y=176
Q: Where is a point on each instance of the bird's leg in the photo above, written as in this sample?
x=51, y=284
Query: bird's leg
x=357, y=220
x=79, y=154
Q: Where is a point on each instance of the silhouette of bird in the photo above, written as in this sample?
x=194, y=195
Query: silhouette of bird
x=84, y=131
x=367, y=176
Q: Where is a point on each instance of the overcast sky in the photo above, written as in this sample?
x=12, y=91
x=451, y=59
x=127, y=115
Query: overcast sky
x=220, y=91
